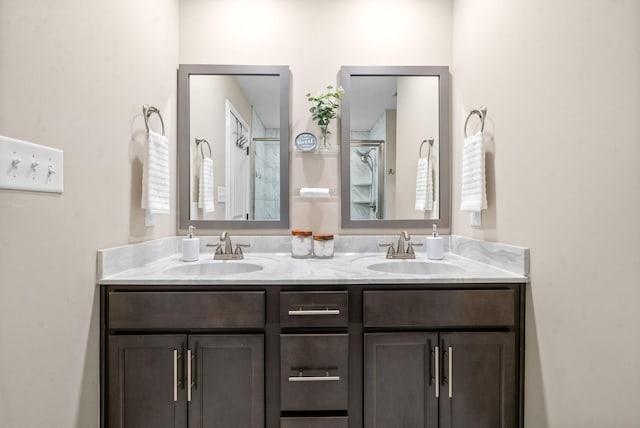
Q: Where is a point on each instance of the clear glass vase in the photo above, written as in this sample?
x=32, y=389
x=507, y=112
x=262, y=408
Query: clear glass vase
x=323, y=146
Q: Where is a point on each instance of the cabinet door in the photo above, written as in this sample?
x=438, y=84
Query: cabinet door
x=227, y=375
x=144, y=376
x=400, y=380
x=479, y=380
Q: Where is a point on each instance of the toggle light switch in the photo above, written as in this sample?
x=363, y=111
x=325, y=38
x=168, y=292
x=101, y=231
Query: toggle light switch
x=15, y=176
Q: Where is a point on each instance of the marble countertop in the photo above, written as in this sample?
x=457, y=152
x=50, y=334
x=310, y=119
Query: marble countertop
x=479, y=263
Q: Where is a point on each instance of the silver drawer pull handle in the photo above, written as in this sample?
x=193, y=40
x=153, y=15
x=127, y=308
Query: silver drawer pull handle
x=175, y=375
x=313, y=378
x=303, y=312
x=301, y=378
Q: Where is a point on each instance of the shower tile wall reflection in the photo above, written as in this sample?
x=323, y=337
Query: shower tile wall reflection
x=266, y=191
x=267, y=184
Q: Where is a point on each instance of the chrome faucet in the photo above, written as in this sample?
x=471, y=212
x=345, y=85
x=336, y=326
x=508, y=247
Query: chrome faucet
x=401, y=252
x=227, y=253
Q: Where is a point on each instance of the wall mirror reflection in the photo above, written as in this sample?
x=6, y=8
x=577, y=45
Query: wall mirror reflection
x=233, y=134
x=395, y=147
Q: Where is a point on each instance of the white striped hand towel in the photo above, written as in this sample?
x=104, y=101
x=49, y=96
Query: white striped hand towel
x=155, y=175
x=424, y=185
x=205, y=188
x=474, y=192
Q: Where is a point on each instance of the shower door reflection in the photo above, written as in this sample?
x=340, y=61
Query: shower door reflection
x=367, y=167
x=265, y=163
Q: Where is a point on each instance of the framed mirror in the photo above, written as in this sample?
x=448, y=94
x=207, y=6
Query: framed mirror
x=394, y=152
x=233, y=156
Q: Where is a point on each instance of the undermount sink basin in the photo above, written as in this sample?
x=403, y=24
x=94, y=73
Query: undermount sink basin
x=416, y=268
x=213, y=269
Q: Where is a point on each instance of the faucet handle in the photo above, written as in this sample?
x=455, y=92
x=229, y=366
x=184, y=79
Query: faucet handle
x=218, y=246
x=239, y=248
x=410, y=246
x=390, y=251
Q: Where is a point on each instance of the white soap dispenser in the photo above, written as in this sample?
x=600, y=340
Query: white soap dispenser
x=190, y=247
x=435, y=245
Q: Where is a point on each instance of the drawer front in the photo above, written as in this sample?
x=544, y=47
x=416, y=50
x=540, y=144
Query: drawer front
x=186, y=310
x=313, y=309
x=439, y=308
x=324, y=422
x=314, y=371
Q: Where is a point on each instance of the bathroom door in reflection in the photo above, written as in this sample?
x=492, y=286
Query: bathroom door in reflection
x=367, y=167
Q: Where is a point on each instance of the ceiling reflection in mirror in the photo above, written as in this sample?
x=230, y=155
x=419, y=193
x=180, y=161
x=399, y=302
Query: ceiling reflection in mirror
x=396, y=167
x=235, y=147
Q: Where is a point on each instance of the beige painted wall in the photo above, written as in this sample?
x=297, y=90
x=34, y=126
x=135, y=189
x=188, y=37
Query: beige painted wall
x=74, y=75
x=561, y=81
x=315, y=38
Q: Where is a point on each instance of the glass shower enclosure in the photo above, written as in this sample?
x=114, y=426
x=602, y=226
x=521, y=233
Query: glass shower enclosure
x=367, y=179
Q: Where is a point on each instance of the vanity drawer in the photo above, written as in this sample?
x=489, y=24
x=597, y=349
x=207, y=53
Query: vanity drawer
x=323, y=422
x=186, y=310
x=314, y=371
x=314, y=309
x=439, y=308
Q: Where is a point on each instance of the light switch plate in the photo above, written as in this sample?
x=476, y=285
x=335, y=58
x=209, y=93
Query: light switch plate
x=31, y=167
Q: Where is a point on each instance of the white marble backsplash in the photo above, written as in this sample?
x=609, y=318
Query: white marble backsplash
x=510, y=258
x=118, y=259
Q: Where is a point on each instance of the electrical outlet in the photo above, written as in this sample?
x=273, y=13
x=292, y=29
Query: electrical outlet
x=31, y=167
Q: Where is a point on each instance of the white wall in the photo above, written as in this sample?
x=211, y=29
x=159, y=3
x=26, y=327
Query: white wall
x=74, y=75
x=315, y=38
x=561, y=81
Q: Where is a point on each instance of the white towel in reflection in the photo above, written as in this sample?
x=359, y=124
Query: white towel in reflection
x=155, y=175
x=314, y=192
x=474, y=192
x=424, y=184
x=205, y=189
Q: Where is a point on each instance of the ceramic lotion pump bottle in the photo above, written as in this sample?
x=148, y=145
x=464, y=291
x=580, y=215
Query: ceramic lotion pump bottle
x=435, y=245
x=190, y=247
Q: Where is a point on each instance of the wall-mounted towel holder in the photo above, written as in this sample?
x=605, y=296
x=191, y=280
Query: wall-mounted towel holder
x=482, y=113
x=147, y=111
x=431, y=140
x=201, y=142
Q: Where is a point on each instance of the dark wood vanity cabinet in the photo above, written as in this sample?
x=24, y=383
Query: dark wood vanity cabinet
x=440, y=380
x=348, y=356
x=206, y=374
x=454, y=365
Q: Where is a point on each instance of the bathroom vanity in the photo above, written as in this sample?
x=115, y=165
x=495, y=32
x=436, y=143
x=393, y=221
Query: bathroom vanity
x=345, y=347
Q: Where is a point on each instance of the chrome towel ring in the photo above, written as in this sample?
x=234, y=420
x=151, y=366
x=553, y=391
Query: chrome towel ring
x=147, y=111
x=431, y=140
x=482, y=113
x=201, y=142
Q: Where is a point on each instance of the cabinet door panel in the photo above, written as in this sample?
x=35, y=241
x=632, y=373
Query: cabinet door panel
x=399, y=380
x=228, y=371
x=141, y=382
x=483, y=383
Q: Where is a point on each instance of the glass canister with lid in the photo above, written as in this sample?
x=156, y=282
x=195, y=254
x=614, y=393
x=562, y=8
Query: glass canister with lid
x=323, y=245
x=301, y=244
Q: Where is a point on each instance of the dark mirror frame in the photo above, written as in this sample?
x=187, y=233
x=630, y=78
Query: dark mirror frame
x=442, y=72
x=184, y=140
